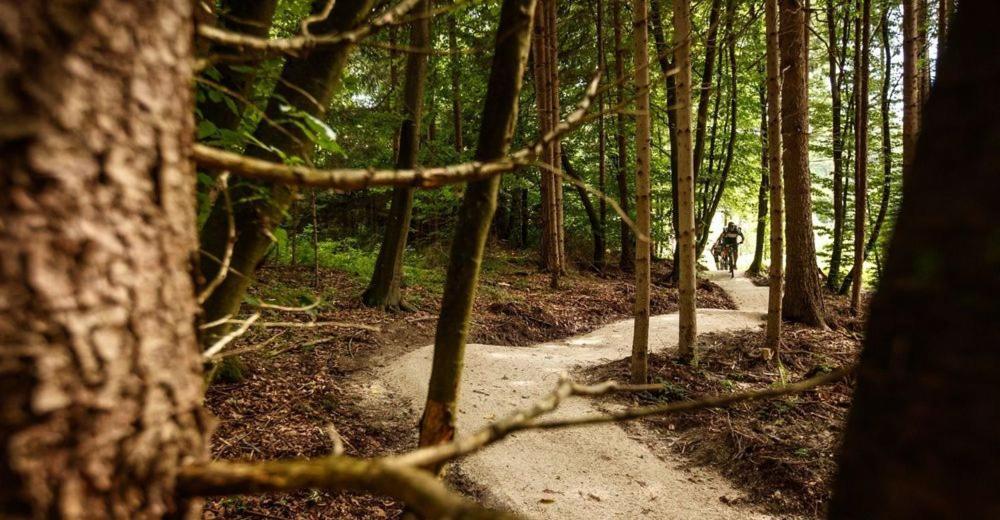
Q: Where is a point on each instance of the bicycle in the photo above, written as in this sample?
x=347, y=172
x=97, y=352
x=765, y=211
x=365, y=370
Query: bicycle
x=729, y=259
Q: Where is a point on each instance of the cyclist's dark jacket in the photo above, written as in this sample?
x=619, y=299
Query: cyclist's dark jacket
x=729, y=236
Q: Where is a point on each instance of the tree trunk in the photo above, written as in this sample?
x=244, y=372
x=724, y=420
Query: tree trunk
x=602, y=140
x=883, y=207
x=861, y=154
x=772, y=335
x=592, y=216
x=499, y=117
x=946, y=9
x=250, y=17
x=384, y=290
x=308, y=84
x=454, y=59
x=627, y=254
x=663, y=54
x=705, y=92
x=547, y=100
x=911, y=85
x=921, y=433
x=101, y=379
x=713, y=196
x=688, y=332
x=836, y=77
x=803, y=299
x=758, y=250
x=640, y=337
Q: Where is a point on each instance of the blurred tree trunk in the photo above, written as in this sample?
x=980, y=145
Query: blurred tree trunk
x=101, y=373
x=306, y=83
x=251, y=17
x=911, y=85
x=921, y=435
x=384, y=289
x=454, y=60
x=602, y=140
x=803, y=298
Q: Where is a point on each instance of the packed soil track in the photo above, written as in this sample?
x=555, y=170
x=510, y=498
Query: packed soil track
x=298, y=383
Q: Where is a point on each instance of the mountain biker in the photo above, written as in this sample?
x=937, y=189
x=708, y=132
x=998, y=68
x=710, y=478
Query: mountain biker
x=732, y=236
x=717, y=252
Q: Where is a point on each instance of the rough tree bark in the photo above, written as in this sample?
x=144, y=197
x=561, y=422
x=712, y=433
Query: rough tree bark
x=921, y=432
x=101, y=378
x=627, y=255
x=772, y=334
x=861, y=154
x=803, y=298
x=307, y=83
x=499, y=117
x=688, y=333
x=384, y=289
x=640, y=336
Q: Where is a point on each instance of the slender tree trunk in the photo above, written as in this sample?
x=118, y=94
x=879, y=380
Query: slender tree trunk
x=883, y=207
x=592, y=215
x=946, y=10
x=911, y=85
x=602, y=139
x=384, y=290
x=922, y=427
x=499, y=117
x=524, y=216
x=640, y=337
x=836, y=76
x=705, y=91
x=547, y=95
x=774, y=164
x=627, y=254
x=554, y=115
x=758, y=250
x=315, y=238
x=861, y=155
x=101, y=384
x=803, y=299
x=923, y=46
x=454, y=60
x=714, y=196
x=663, y=54
x=308, y=84
x=688, y=332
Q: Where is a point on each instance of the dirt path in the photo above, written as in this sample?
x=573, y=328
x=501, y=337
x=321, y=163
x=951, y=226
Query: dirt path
x=593, y=472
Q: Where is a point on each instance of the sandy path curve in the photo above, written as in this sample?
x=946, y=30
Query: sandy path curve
x=592, y=472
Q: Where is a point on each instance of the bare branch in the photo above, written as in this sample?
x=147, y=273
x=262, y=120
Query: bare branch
x=298, y=44
x=417, y=488
x=228, y=338
x=348, y=179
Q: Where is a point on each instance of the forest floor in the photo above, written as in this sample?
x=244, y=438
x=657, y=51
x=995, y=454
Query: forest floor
x=300, y=382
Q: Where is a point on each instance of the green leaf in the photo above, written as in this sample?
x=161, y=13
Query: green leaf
x=206, y=129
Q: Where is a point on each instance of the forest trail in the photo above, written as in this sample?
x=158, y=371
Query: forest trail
x=591, y=472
